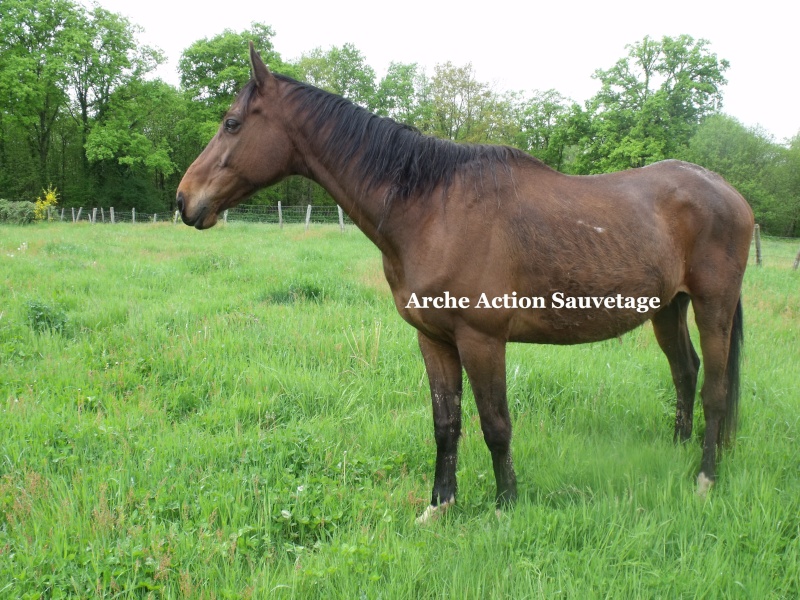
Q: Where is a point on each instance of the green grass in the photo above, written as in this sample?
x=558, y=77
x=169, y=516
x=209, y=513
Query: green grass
x=242, y=413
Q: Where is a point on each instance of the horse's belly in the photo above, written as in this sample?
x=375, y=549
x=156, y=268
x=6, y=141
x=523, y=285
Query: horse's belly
x=571, y=324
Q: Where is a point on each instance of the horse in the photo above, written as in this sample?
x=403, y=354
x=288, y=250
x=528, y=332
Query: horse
x=483, y=245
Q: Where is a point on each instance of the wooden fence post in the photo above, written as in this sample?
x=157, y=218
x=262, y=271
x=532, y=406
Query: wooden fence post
x=94, y=215
x=308, y=216
x=175, y=218
x=225, y=216
x=111, y=210
x=78, y=218
x=133, y=215
x=341, y=218
x=73, y=214
x=102, y=214
x=757, y=237
x=280, y=215
x=62, y=214
x=155, y=217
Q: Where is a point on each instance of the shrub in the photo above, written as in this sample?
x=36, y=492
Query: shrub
x=17, y=213
x=48, y=198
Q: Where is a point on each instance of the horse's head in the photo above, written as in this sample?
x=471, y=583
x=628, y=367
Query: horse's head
x=251, y=150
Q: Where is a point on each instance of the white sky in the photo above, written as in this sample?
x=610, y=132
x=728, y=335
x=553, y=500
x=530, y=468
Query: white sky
x=512, y=45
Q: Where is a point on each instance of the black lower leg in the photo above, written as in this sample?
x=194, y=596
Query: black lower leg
x=505, y=477
x=444, y=375
x=444, y=482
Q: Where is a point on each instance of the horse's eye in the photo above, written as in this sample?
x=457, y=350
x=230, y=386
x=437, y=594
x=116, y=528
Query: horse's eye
x=232, y=125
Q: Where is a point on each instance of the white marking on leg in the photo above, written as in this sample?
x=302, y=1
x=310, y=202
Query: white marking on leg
x=432, y=513
x=703, y=485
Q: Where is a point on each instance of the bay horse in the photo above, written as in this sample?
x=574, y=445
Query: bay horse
x=464, y=223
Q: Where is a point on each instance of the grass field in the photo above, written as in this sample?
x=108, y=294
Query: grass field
x=241, y=413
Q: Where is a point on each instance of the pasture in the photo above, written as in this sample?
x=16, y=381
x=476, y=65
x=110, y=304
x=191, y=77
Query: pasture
x=241, y=413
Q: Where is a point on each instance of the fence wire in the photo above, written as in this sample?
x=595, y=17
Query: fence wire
x=242, y=214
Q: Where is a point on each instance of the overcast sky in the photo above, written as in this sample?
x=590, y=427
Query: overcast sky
x=512, y=45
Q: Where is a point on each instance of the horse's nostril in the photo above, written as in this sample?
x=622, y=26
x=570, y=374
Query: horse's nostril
x=179, y=201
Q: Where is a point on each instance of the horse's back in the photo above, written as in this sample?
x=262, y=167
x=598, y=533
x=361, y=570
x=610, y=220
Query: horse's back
x=636, y=210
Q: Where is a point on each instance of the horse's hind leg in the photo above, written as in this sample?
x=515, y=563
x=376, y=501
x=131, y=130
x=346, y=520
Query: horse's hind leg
x=444, y=375
x=720, y=326
x=672, y=333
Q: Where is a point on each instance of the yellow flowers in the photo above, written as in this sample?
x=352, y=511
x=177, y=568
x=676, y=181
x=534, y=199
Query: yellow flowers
x=48, y=198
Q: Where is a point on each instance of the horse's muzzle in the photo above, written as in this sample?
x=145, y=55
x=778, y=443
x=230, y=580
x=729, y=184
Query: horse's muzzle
x=180, y=201
x=195, y=220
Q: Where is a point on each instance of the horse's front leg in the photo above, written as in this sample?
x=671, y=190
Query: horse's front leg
x=444, y=375
x=484, y=360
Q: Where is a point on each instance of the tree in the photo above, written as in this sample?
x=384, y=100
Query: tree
x=403, y=94
x=133, y=148
x=651, y=102
x=343, y=71
x=538, y=124
x=104, y=55
x=787, y=194
x=460, y=104
x=34, y=46
x=61, y=65
x=753, y=163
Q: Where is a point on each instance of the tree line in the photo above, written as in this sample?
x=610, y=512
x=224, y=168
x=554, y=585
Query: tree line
x=81, y=111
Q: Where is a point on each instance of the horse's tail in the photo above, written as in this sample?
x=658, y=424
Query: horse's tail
x=734, y=369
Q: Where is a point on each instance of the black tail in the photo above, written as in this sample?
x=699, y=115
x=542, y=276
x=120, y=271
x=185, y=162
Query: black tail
x=734, y=364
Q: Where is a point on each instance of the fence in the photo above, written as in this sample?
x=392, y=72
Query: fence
x=277, y=215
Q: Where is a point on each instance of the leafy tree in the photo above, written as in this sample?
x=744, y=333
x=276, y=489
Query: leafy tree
x=754, y=164
x=404, y=95
x=341, y=70
x=61, y=65
x=34, y=46
x=783, y=217
x=537, y=123
x=651, y=103
x=461, y=105
x=133, y=148
x=104, y=55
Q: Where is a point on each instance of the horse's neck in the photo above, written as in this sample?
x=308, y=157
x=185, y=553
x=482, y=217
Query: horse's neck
x=365, y=208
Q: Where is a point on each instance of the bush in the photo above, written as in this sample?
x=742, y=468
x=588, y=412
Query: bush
x=48, y=199
x=16, y=213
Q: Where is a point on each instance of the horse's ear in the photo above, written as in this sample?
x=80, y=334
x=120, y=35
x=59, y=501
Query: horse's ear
x=260, y=72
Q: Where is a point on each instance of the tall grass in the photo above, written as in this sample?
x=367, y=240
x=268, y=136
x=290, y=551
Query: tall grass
x=242, y=413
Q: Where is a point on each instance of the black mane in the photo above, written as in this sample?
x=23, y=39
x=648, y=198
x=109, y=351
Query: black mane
x=386, y=152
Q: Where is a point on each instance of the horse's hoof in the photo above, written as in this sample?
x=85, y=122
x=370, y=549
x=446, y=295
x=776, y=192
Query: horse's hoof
x=432, y=513
x=703, y=485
